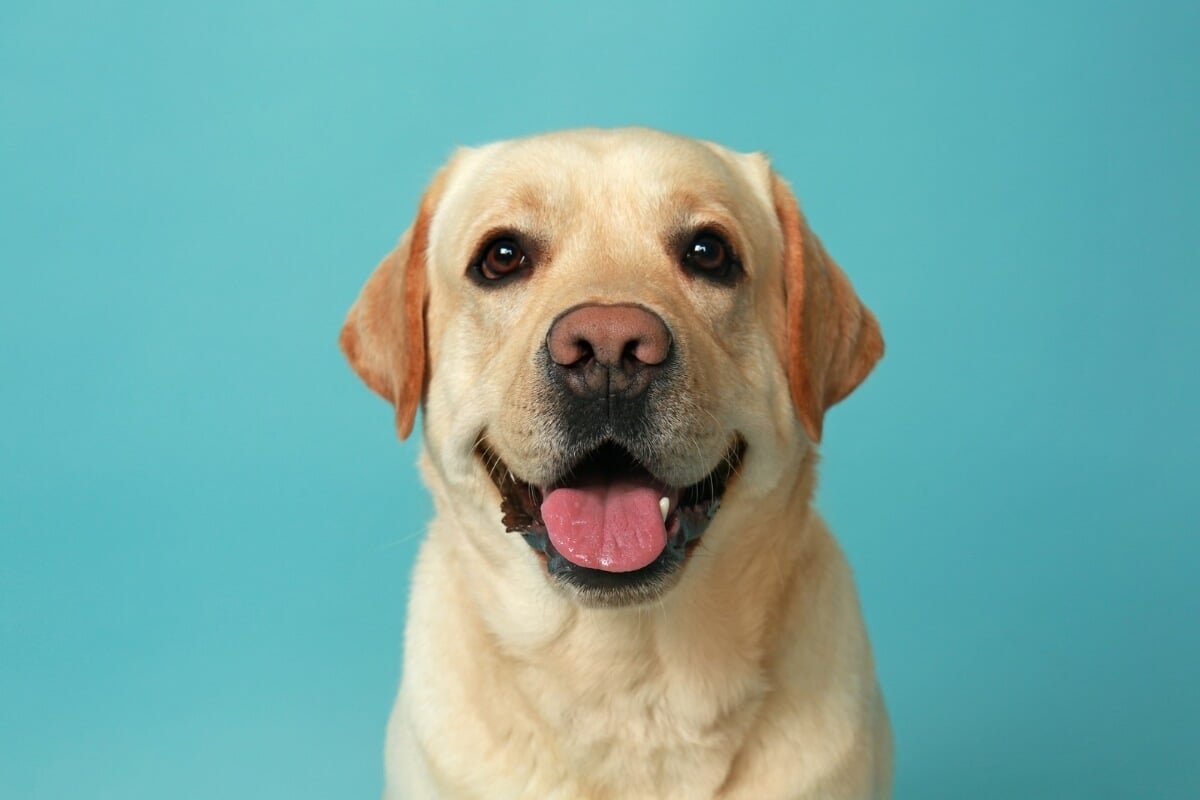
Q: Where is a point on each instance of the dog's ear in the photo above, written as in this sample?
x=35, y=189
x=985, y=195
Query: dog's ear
x=833, y=339
x=383, y=337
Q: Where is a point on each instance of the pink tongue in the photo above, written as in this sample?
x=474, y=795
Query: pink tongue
x=616, y=527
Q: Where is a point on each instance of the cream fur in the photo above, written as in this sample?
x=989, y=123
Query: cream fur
x=752, y=678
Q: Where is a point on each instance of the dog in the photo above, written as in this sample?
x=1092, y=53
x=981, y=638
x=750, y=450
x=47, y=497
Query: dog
x=624, y=343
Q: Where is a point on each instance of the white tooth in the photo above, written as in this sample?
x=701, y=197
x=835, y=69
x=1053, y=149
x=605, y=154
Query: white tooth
x=664, y=505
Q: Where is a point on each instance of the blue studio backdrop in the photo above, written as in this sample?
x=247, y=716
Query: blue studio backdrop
x=206, y=524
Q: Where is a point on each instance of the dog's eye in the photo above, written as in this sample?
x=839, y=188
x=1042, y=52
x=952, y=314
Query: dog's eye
x=501, y=258
x=709, y=255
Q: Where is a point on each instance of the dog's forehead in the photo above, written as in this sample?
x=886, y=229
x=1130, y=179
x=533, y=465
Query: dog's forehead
x=635, y=178
x=588, y=162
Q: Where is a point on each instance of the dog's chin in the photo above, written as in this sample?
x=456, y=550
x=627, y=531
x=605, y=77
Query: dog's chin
x=591, y=574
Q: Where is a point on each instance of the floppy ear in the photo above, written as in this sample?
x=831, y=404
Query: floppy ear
x=384, y=334
x=833, y=339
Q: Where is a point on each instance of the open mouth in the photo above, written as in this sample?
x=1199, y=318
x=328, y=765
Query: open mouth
x=608, y=526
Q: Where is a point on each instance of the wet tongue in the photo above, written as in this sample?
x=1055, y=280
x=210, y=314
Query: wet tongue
x=616, y=527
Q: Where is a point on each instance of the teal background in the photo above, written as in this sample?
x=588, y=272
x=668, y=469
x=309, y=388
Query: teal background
x=207, y=525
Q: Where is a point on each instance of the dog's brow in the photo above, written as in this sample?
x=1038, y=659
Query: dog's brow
x=521, y=206
x=499, y=219
x=686, y=207
x=527, y=197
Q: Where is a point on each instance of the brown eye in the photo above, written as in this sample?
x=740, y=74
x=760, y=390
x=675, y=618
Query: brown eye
x=502, y=258
x=709, y=255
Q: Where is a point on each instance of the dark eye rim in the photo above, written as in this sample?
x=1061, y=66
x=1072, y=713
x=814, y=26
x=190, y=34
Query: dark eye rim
x=475, y=270
x=729, y=274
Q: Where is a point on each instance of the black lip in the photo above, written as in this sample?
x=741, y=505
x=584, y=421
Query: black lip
x=521, y=513
x=597, y=582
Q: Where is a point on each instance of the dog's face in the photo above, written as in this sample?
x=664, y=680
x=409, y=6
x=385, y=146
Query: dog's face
x=616, y=334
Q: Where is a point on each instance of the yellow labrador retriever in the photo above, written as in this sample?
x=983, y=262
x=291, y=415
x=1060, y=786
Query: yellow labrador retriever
x=625, y=343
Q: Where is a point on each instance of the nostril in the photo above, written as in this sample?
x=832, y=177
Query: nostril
x=583, y=352
x=568, y=347
x=621, y=337
x=652, y=350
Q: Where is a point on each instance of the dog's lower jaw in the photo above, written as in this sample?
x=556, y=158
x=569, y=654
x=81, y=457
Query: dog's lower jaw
x=555, y=700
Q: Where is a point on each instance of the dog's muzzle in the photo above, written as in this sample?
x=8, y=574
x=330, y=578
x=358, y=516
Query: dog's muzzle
x=607, y=523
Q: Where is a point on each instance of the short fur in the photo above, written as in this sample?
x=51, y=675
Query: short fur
x=752, y=678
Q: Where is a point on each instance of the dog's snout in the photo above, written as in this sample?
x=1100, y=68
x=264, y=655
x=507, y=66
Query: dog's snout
x=600, y=349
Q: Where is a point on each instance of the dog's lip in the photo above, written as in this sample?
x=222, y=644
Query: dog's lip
x=689, y=508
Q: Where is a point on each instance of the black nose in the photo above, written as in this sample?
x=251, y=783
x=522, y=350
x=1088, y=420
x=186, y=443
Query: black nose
x=602, y=350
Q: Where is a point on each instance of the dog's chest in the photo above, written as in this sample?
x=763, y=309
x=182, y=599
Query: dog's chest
x=636, y=728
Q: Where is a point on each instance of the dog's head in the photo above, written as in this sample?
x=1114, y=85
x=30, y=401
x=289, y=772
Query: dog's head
x=616, y=334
